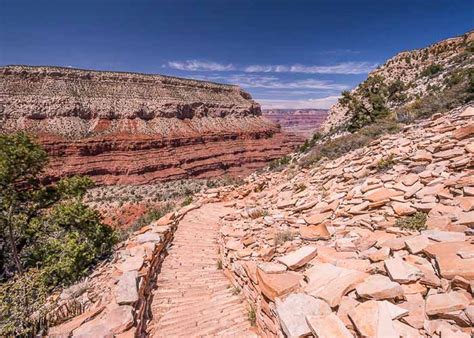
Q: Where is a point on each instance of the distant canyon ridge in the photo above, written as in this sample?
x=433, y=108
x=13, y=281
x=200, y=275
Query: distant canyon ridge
x=303, y=122
x=129, y=128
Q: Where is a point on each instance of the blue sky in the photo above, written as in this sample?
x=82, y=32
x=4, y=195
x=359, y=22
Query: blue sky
x=287, y=54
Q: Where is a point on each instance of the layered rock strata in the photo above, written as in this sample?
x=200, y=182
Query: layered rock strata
x=300, y=121
x=129, y=128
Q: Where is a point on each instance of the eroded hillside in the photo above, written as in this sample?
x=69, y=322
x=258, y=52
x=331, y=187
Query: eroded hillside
x=125, y=128
x=410, y=85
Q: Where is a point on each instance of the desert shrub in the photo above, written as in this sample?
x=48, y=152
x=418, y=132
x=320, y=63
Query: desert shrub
x=279, y=163
x=451, y=97
x=432, y=70
x=300, y=187
x=337, y=147
x=187, y=201
x=368, y=103
x=49, y=237
x=308, y=144
x=283, y=236
x=251, y=315
x=151, y=215
x=386, y=163
x=414, y=222
x=236, y=290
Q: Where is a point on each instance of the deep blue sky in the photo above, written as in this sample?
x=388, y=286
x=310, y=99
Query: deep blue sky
x=285, y=53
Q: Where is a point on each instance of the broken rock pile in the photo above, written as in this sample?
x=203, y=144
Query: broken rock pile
x=354, y=248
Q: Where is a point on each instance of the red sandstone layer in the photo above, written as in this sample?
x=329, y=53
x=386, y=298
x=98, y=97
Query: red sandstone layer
x=304, y=122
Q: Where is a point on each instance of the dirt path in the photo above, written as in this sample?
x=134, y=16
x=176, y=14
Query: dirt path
x=193, y=297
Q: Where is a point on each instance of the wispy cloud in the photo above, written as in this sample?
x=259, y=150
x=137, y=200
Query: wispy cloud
x=341, y=68
x=352, y=67
x=196, y=65
x=273, y=82
x=323, y=103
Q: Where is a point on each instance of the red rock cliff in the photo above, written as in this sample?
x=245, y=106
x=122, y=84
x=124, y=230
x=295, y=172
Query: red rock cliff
x=304, y=122
x=127, y=128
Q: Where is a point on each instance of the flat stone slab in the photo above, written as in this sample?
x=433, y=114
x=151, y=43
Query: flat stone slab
x=293, y=311
x=403, y=209
x=274, y=285
x=381, y=194
x=148, y=237
x=317, y=218
x=328, y=326
x=330, y=283
x=126, y=291
x=131, y=263
x=449, y=263
x=298, y=258
x=374, y=319
x=402, y=272
x=379, y=287
x=446, y=302
x=415, y=305
x=271, y=267
x=314, y=232
x=111, y=322
x=444, y=236
x=417, y=244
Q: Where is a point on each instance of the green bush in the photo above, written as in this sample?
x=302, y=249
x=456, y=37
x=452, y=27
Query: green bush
x=49, y=237
x=415, y=222
x=187, y=201
x=386, y=163
x=308, y=144
x=369, y=102
x=432, y=70
x=21, y=301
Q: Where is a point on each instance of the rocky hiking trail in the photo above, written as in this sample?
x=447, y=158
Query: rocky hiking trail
x=192, y=296
x=376, y=243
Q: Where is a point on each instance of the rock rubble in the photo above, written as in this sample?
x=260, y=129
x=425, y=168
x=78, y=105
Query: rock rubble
x=359, y=251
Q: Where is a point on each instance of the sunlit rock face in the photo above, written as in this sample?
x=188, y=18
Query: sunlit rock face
x=304, y=122
x=130, y=128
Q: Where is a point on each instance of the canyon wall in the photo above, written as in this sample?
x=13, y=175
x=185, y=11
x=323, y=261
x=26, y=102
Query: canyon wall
x=128, y=128
x=304, y=122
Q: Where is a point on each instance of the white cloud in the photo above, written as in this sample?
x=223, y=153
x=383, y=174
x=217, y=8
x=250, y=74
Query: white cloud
x=353, y=67
x=196, y=65
x=322, y=103
x=273, y=82
x=341, y=68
